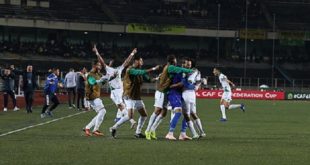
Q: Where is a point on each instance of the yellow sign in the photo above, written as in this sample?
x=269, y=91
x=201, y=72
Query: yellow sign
x=145, y=28
x=292, y=35
x=253, y=34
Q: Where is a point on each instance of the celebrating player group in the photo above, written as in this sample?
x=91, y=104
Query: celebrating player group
x=176, y=87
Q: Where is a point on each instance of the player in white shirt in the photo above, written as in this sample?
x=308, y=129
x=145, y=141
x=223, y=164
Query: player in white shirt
x=116, y=86
x=70, y=84
x=189, y=96
x=227, y=93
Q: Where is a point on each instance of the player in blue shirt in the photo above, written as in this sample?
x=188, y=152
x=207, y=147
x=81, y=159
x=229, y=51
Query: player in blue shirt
x=175, y=100
x=50, y=88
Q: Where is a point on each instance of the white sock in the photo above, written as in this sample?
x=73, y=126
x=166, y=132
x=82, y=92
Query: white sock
x=124, y=112
x=91, y=123
x=99, y=119
x=170, y=133
x=132, y=121
x=119, y=113
x=151, y=122
x=191, y=128
x=121, y=121
x=233, y=106
x=199, y=125
x=223, y=111
x=156, y=123
x=183, y=134
x=140, y=124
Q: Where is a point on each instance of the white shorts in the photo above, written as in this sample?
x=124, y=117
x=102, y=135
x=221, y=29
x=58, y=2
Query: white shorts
x=189, y=96
x=117, y=96
x=96, y=104
x=134, y=104
x=160, y=100
x=227, y=96
x=189, y=104
x=189, y=107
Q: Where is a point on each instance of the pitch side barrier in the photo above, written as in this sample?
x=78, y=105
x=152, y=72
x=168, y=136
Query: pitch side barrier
x=297, y=95
x=242, y=94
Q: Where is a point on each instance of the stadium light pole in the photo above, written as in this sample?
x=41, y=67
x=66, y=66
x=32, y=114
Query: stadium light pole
x=245, y=40
x=218, y=33
x=273, y=49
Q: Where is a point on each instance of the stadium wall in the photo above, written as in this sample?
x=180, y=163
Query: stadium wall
x=201, y=94
x=102, y=27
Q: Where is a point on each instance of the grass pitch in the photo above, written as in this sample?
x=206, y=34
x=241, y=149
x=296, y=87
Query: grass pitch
x=269, y=132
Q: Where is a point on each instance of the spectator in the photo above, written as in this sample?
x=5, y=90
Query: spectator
x=81, y=88
x=29, y=85
x=70, y=84
x=16, y=73
x=8, y=77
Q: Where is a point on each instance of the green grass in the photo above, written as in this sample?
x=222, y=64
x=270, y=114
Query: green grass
x=269, y=132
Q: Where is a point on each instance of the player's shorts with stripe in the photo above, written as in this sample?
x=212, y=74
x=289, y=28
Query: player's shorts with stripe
x=189, y=103
x=51, y=98
x=134, y=104
x=161, y=100
x=96, y=104
x=226, y=96
x=117, y=96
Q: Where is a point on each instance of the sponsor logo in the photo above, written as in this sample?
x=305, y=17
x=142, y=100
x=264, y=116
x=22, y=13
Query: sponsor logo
x=297, y=96
x=301, y=96
x=246, y=94
x=290, y=96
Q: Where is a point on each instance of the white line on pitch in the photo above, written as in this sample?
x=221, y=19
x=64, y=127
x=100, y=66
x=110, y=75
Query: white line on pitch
x=36, y=125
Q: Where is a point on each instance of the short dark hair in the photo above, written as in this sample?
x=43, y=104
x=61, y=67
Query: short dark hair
x=193, y=62
x=95, y=63
x=185, y=59
x=217, y=69
x=54, y=69
x=170, y=58
x=137, y=57
x=71, y=69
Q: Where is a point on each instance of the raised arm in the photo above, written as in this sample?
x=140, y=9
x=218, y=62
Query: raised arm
x=138, y=72
x=231, y=83
x=176, y=69
x=129, y=58
x=111, y=63
x=100, y=59
x=153, y=69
